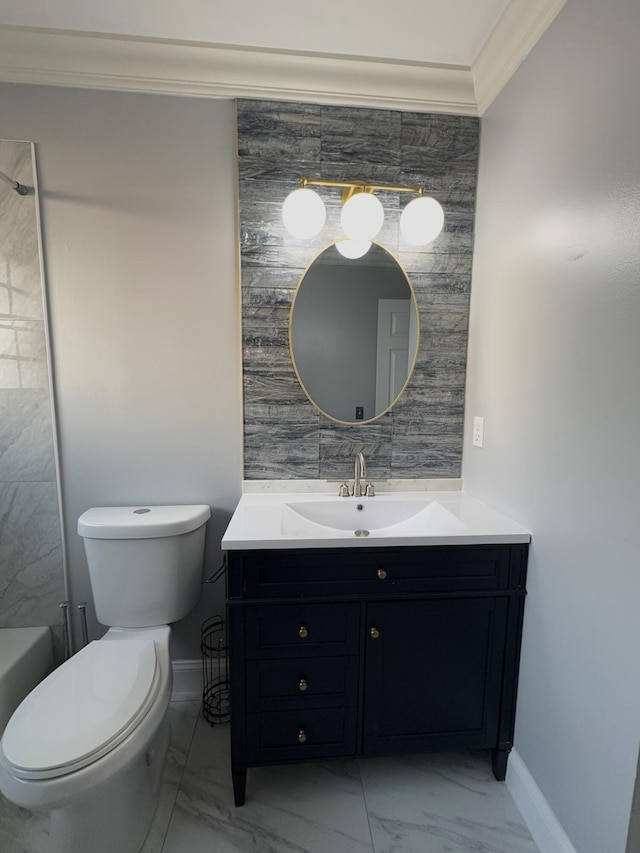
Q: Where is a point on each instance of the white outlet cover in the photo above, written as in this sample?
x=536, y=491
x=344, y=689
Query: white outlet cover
x=478, y=432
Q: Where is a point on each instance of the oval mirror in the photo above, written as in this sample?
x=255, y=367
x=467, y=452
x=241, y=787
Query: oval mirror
x=353, y=333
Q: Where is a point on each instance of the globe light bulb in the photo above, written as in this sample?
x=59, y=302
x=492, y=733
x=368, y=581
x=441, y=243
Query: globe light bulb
x=353, y=249
x=303, y=213
x=362, y=216
x=421, y=221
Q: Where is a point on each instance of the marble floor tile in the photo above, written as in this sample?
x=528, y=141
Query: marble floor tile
x=182, y=719
x=22, y=831
x=441, y=803
x=315, y=808
x=437, y=803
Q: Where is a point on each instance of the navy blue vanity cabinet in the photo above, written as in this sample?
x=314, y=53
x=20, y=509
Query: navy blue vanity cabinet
x=445, y=693
x=339, y=653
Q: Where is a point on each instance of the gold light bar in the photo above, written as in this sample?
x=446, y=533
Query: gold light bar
x=351, y=187
x=362, y=215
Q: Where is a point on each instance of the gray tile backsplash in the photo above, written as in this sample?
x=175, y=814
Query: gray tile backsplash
x=285, y=436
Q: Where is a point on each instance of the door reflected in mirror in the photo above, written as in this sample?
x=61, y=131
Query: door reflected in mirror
x=353, y=333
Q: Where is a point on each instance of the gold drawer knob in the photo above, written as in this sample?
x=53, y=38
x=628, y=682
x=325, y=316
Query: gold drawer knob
x=302, y=736
x=374, y=633
x=382, y=574
x=302, y=631
x=302, y=685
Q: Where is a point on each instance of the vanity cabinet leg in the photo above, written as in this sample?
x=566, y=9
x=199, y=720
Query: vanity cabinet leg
x=239, y=785
x=499, y=759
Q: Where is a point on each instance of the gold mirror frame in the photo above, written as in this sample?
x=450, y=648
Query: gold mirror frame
x=410, y=368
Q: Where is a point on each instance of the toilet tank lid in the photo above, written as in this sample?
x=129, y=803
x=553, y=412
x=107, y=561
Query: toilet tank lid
x=141, y=522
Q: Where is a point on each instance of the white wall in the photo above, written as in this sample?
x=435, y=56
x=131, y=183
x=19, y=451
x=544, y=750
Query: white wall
x=138, y=199
x=553, y=367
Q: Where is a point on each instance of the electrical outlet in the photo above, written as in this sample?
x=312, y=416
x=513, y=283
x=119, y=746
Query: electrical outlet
x=478, y=432
x=359, y=413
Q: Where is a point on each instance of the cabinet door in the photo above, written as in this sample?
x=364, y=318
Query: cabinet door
x=433, y=674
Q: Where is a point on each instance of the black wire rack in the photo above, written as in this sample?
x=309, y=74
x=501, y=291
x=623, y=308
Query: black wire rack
x=215, y=651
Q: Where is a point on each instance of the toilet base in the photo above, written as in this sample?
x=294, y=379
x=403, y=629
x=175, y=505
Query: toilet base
x=118, y=815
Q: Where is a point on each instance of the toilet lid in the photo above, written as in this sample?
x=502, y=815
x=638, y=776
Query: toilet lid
x=83, y=709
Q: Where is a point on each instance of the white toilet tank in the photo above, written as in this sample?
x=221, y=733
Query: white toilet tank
x=145, y=562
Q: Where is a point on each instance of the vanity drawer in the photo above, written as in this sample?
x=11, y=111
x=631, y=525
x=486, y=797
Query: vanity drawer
x=302, y=630
x=373, y=571
x=302, y=683
x=296, y=735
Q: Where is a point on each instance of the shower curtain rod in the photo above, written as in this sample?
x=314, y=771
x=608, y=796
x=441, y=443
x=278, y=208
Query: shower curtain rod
x=14, y=184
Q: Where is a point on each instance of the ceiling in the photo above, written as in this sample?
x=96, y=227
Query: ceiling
x=437, y=55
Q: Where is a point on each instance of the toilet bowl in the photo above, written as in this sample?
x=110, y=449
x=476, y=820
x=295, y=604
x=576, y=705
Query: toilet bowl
x=107, y=705
x=88, y=744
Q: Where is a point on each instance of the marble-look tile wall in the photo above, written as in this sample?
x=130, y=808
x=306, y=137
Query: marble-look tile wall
x=285, y=437
x=31, y=569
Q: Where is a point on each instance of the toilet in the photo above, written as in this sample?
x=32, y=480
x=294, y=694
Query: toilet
x=88, y=744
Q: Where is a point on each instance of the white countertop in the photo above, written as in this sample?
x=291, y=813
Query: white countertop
x=280, y=520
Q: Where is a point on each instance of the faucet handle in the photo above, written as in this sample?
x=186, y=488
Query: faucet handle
x=344, y=491
x=369, y=491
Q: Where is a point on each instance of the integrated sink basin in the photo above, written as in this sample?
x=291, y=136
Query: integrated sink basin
x=322, y=520
x=367, y=516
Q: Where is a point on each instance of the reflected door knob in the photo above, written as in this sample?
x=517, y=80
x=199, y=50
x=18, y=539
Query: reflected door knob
x=374, y=633
x=302, y=631
x=382, y=574
x=302, y=685
x=302, y=736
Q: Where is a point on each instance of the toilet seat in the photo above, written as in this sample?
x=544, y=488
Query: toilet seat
x=91, y=704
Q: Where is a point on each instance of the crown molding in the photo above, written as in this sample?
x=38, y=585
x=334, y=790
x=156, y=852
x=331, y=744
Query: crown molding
x=90, y=61
x=121, y=63
x=518, y=29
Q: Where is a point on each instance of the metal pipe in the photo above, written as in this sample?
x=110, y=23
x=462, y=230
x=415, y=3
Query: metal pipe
x=19, y=188
x=66, y=629
x=82, y=607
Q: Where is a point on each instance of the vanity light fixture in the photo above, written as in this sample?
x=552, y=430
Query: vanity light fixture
x=421, y=221
x=303, y=213
x=362, y=214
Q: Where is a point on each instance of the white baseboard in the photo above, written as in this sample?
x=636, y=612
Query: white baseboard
x=543, y=825
x=187, y=680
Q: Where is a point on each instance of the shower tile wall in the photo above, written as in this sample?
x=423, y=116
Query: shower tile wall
x=284, y=435
x=31, y=575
